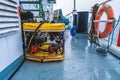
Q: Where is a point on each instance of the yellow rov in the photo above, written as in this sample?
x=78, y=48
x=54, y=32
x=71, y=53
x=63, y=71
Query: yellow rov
x=44, y=43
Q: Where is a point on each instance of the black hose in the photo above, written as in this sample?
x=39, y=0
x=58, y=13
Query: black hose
x=32, y=37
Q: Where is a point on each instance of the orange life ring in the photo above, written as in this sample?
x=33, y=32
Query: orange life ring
x=110, y=15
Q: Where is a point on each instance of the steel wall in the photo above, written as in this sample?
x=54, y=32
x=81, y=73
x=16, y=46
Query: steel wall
x=10, y=34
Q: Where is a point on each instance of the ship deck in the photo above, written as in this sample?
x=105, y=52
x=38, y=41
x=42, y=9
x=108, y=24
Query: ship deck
x=81, y=62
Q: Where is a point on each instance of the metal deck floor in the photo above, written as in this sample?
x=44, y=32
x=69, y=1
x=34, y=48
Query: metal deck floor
x=81, y=62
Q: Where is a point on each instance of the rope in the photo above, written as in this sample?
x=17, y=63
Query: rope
x=92, y=33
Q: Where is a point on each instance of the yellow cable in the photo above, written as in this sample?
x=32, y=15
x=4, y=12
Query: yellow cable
x=30, y=42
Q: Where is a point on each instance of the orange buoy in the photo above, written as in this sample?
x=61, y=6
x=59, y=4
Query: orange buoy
x=118, y=42
x=110, y=15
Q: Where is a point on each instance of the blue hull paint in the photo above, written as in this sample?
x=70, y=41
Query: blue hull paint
x=7, y=72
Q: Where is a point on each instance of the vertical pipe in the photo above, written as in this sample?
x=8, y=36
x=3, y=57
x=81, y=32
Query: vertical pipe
x=74, y=6
x=118, y=42
x=74, y=14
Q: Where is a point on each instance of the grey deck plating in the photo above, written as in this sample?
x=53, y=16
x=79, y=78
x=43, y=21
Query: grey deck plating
x=82, y=62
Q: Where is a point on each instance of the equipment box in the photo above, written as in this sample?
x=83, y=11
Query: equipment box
x=44, y=43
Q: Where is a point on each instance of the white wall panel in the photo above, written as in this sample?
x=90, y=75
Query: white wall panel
x=10, y=33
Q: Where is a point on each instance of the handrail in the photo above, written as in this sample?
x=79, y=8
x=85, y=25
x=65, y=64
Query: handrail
x=106, y=21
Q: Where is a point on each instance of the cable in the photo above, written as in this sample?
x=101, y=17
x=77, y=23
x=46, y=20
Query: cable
x=115, y=26
x=29, y=43
x=112, y=33
x=110, y=37
x=69, y=14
